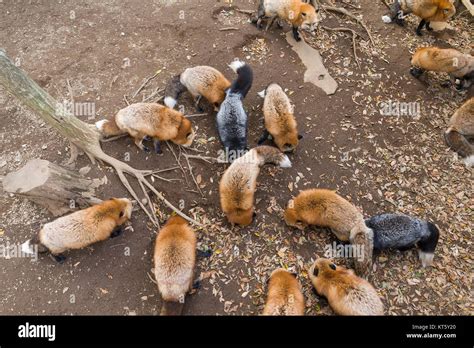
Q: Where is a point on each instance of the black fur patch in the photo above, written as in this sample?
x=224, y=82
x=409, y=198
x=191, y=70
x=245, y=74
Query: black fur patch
x=116, y=232
x=59, y=258
x=428, y=244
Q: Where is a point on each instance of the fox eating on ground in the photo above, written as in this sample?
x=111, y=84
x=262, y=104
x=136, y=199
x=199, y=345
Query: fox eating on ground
x=298, y=13
x=81, y=228
x=427, y=10
x=145, y=121
x=231, y=119
x=460, y=66
x=175, y=260
x=280, y=122
x=238, y=184
x=200, y=81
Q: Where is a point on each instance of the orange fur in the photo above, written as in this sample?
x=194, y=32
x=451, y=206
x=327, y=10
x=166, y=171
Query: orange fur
x=324, y=208
x=346, y=293
x=175, y=260
x=85, y=227
x=463, y=119
x=432, y=10
x=207, y=82
x=284, y=295
x=460, y=132
x=446, y=60
x=153, y=120
x=295, y=12
x=279, y=119
x=238, y=184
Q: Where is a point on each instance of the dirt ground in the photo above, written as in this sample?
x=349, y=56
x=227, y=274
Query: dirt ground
x=105, y=49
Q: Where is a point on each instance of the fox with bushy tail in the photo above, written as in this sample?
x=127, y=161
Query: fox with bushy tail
x=232, y=119
x=200, y=81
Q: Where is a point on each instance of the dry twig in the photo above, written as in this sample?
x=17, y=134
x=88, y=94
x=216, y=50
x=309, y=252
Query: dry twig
x=345, y=12
x=147, y=80
x=354, y=36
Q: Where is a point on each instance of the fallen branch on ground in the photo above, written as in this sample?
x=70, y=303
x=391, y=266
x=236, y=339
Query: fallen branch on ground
x=345, y=12
x=147, y=80
x=354, y=36
x=84, y=136
x=229, y=28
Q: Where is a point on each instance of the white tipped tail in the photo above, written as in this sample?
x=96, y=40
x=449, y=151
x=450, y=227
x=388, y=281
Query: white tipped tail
x=285, y=162
x=236, y=65
x=27, y=248
x=100, y=125
x=386, y=19
x=261, y=94
x=425, y=258
x=170, y=102
x=469, y=161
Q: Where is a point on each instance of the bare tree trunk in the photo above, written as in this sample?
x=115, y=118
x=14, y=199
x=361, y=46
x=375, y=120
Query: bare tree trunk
x=82, y=135
x=57, y=189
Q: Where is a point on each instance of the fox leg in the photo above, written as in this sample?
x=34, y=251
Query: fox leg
x=264, y=137
x=197, y=102
x=397, y=14
x=59, y=258
x=139, y=143
x=260, y=14
x=296, y=35
x=196, y=285
x=270, y=22
x=428, y=27
x=157, y=145
x=420, y=27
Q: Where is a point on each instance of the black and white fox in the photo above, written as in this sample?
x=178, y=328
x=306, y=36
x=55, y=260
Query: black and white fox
x=232, y=119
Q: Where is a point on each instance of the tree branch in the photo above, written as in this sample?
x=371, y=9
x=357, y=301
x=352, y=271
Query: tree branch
x=85, y=136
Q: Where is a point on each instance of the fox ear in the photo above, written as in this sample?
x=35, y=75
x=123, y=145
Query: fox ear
x=300, y=136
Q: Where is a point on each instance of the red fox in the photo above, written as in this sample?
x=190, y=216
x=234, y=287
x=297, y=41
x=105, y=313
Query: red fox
x=238, y=184
x=460, y=66
x=325, y=208
x=427, y=10
x=280, y=122
x=200, y=81
x=346, y=293
x=82, y=228
x=175, y=259
x=145, y=121
x=284, y=294
x=460, y=133
x=299, y=14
